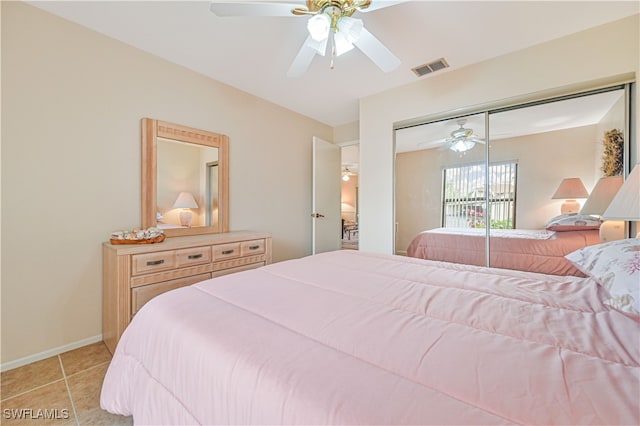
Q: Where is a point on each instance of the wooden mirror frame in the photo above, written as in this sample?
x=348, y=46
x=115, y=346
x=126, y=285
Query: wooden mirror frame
x=153, y=129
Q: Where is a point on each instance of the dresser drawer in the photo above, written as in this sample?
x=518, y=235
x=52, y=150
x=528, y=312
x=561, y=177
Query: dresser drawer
x=141, y=295
x=225, y=251
x=193, y=256
x=248, y=248
x=153, y=262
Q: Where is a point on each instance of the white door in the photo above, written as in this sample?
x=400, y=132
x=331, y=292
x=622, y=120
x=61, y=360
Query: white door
x=325, y=206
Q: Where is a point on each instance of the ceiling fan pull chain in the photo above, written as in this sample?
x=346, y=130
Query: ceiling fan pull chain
x=333, y=50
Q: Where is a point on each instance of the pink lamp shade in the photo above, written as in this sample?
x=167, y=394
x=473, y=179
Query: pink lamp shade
x=626, y=204
x=569, y=190
x=185, y=201
x=602, y=195
x=598, y=201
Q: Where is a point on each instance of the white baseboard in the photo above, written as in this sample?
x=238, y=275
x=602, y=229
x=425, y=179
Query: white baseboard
x=49, y=353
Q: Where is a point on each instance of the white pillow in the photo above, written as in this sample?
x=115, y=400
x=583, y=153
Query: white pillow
x=573, y=222
x=615, y=266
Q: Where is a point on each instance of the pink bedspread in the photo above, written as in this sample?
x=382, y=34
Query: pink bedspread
x=353, y=338
x=524, y=251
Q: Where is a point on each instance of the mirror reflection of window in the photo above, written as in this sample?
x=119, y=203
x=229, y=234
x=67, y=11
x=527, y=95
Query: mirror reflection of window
x=465, y=197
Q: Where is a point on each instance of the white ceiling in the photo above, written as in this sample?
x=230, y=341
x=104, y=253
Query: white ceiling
x=254, y=54
x=547, y=117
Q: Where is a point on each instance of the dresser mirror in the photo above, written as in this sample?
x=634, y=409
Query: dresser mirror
x=185, y=179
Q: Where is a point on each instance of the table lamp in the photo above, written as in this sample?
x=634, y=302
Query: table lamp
x=569, y=190
x=626, y=204
x=186, y=202
x=597, y=203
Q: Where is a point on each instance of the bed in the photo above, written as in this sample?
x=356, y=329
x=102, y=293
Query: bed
x=348, y=337
x=540, y=251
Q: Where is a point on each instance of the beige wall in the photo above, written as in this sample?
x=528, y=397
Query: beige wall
x=346, y=132
x=72, y=101
x=582, y=58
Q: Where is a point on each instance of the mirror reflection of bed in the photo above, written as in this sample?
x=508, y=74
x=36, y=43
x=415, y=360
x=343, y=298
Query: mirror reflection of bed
x=441, y=183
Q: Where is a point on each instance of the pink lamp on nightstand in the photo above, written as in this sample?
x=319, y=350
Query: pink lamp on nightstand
x=626, y=204
x=569, y=190
x=597, y=203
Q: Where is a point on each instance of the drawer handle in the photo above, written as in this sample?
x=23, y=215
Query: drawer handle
x=195, y=256
x=256, y=247
x=228, y=251
x=155, y=262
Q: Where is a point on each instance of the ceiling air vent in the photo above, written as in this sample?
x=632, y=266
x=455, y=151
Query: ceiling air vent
x=429, y=68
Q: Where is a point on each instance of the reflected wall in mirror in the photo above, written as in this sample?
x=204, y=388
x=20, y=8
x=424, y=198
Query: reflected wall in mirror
x=185, y=179
x=446, y=206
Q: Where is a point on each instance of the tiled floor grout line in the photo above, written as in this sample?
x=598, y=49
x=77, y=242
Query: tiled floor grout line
x=87, y=387
x=66, y=383
x=32, y=389
x=93, y=367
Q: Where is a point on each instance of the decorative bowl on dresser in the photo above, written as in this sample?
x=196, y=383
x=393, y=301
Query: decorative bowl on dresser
x=134, y=274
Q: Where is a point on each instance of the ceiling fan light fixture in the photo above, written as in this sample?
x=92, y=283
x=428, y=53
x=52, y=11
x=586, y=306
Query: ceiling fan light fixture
x=462, y=146
x=351, y=28
x=341, y=43
x=319, y=26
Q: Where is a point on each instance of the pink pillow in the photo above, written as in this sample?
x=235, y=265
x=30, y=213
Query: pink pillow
x=573, y=222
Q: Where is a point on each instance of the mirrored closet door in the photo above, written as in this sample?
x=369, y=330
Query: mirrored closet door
x=467, y=188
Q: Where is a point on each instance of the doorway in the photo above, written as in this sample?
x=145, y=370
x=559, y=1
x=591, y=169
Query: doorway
x=349, y=206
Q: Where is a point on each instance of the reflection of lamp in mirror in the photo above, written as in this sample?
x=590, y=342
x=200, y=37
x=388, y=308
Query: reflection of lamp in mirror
x=597, y=203
x=569, y=190
x=626, y=204
x=186, y=202
x=348, y=211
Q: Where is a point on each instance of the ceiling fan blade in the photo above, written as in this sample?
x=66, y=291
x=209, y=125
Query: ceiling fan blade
x=476, y=140
x=376, y=51
x=447, y=146
x=228, y=8
x=439, y=141
x=380, y=4
x=434, y=144
x=303, y=59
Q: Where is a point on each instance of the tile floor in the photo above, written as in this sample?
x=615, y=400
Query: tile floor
x=61, y=390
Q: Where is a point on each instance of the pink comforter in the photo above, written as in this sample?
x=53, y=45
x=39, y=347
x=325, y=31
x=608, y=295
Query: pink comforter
x=524, y=252
x=353, y=338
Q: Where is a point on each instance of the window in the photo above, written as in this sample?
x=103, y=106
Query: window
x=465, y=197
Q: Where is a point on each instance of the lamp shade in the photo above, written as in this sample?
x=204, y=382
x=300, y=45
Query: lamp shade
x=626, y=204
x=185, y=200
x=571, y=188
x=347, y=208
x=601, y=195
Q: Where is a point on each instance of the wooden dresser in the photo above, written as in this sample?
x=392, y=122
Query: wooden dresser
x=134, y=274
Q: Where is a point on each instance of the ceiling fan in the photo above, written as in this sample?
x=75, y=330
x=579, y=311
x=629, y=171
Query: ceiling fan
x=330, y=24
x=461, y=139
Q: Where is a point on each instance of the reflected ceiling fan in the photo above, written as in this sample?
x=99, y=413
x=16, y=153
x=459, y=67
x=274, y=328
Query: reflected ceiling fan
x=461, y=139
x=330, y=25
